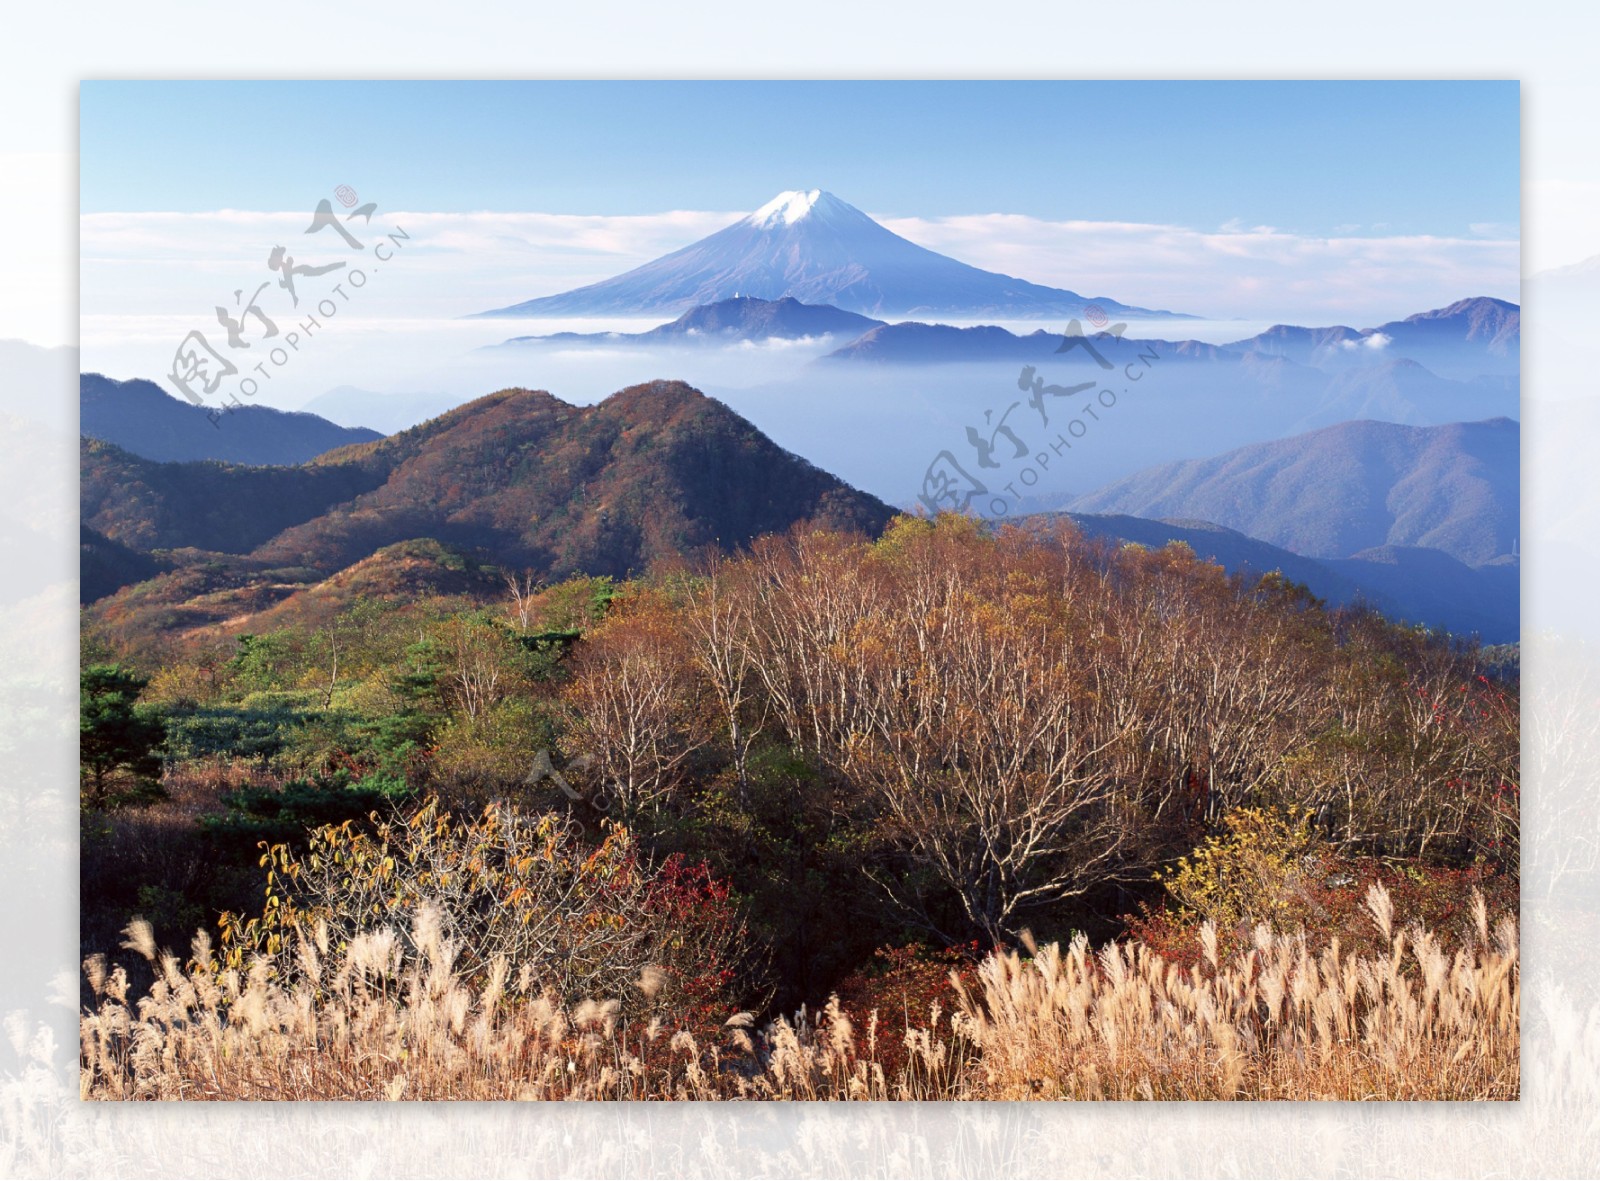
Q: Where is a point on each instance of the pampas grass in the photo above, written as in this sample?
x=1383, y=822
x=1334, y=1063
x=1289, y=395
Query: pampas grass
x=394, y=1018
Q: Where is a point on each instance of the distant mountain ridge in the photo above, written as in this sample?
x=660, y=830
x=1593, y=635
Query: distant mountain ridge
x=743, y=318
x=911, y=342
x=142, y=418
x=1469, y=338
x=810, y=245
x=1345, y=489
x=1453, y=364
x=1421, y=521
x=1420, y=586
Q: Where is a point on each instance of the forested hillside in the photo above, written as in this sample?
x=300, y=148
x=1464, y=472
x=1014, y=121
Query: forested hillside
x=941, y=742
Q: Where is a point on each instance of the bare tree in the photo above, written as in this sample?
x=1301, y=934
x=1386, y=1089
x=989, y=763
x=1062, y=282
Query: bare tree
x=524, y=588
x=478, y=665
x=718, y=621
x=638, y=709
x=1030, y=717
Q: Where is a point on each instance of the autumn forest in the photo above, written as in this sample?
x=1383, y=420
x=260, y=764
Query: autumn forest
x=958, y=811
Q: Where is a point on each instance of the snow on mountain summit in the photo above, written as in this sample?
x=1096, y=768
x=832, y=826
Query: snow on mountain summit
x=788, y=208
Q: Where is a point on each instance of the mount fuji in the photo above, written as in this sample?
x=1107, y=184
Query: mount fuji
x=813, y=247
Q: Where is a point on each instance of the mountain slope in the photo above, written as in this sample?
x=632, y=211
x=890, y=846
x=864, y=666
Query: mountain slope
x=814, y=247
x=1468, y=339
x=1415, y=585
x=230, y=508
x=654, y=471
x=104, y=565
x=1228, y=548
x=1492, y=325
x=210, y=593
x=1337, y=491
x=141, y=417
x=1429, y=586
x=1401, y=390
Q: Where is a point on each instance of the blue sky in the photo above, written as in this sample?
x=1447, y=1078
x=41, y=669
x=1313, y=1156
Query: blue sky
x=1306, y=203
x=1306, y=157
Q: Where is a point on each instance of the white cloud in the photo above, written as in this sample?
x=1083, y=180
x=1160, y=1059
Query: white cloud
x=455, y=263
x=458, y=263
x=147, y=278
x=1257, y=273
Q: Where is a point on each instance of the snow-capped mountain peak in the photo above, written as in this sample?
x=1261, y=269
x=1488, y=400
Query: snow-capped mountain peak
x=808, y=245
x=787, y=208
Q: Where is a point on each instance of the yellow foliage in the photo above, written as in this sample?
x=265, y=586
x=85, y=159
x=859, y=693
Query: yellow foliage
x=1249, y=874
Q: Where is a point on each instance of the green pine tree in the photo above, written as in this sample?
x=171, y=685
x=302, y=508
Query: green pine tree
x=114, y=735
